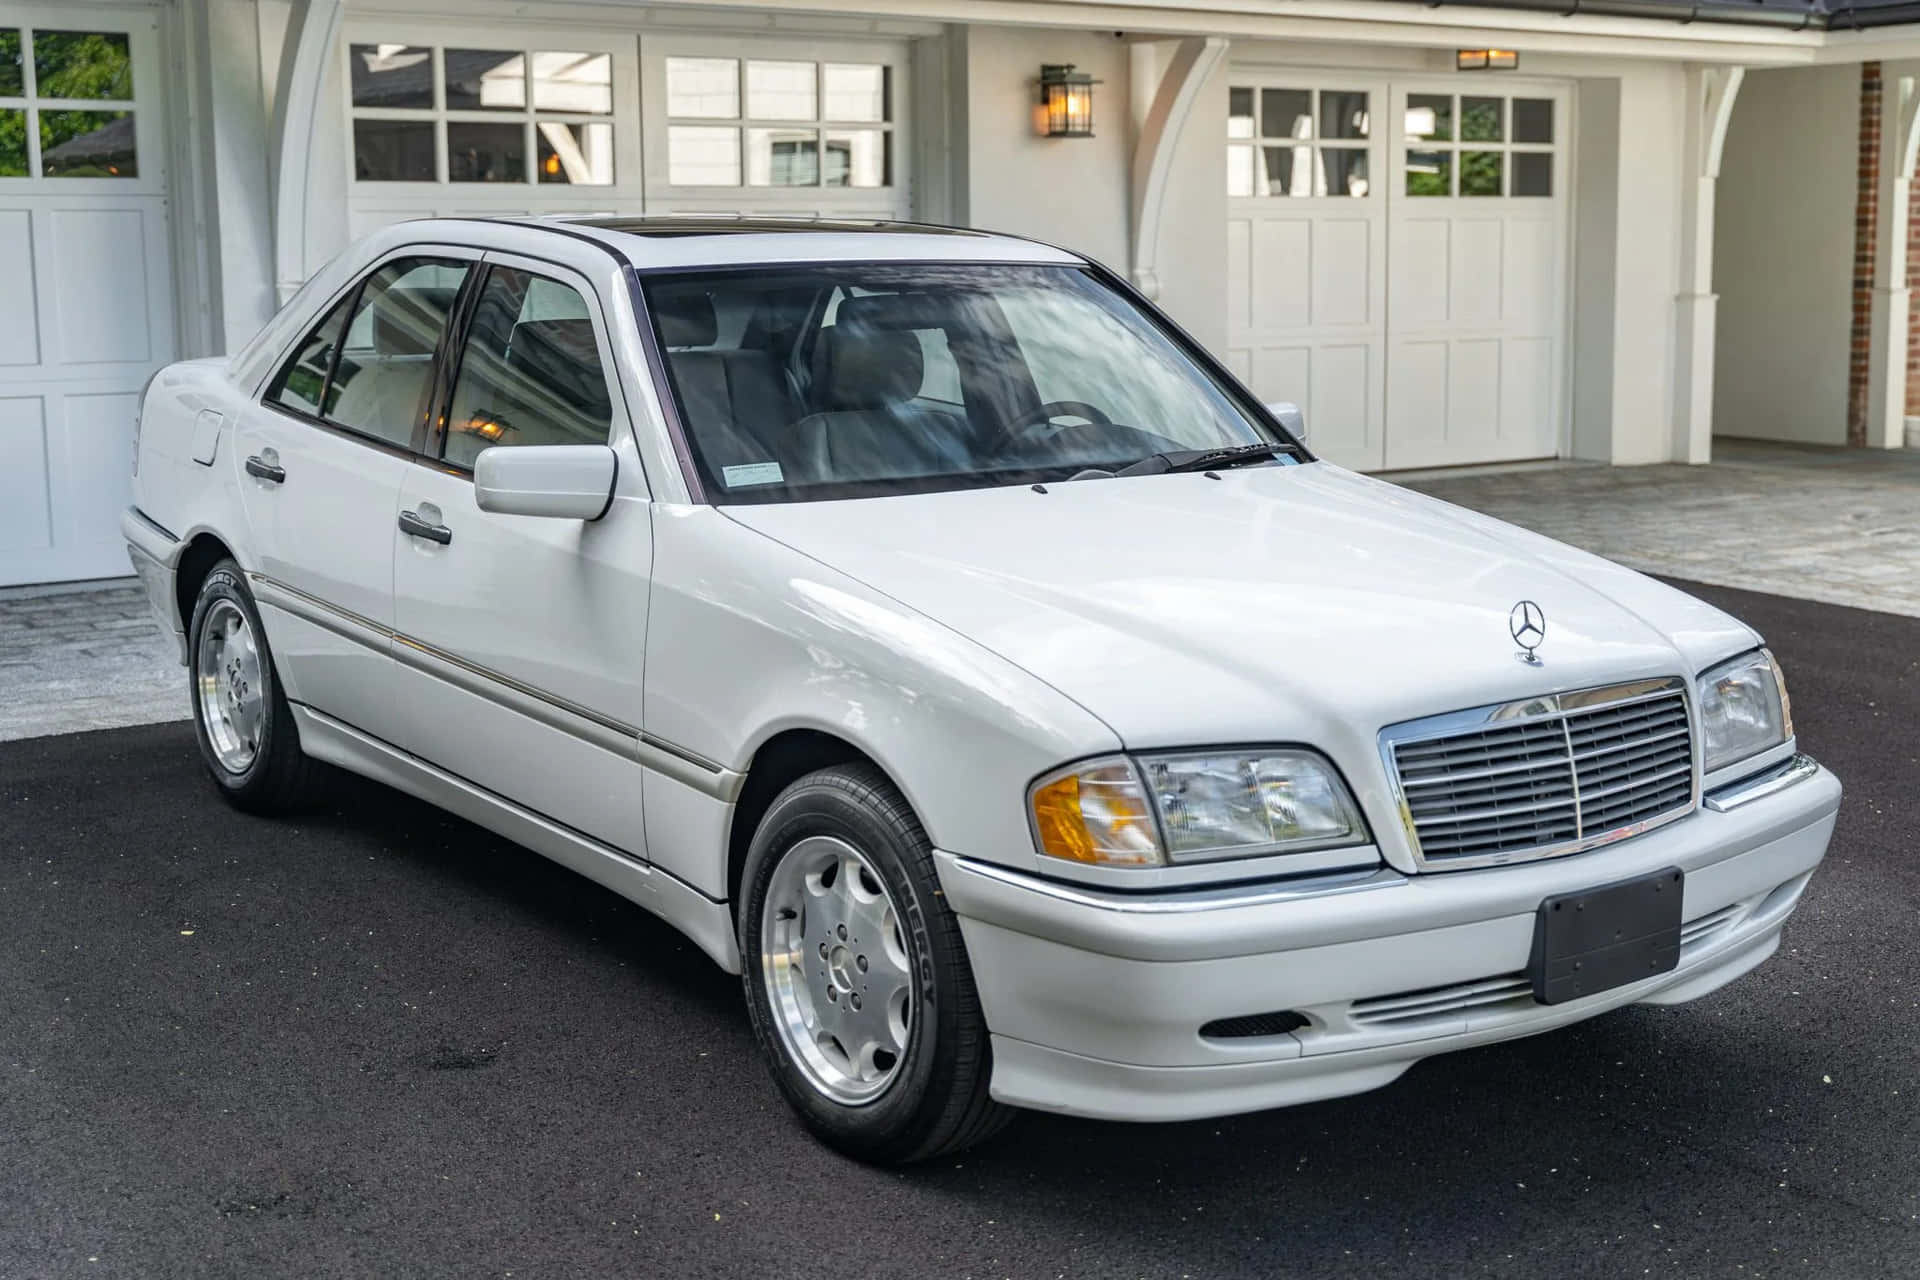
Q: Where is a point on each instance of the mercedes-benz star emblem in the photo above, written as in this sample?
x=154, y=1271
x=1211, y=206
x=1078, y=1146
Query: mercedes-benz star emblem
x=1528, y=625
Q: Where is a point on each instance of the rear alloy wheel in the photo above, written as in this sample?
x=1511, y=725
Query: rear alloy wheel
x=240, y=717
x=856, y=975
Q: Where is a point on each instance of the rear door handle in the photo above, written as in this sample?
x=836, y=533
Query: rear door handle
x=413, y=525
x=265, y=470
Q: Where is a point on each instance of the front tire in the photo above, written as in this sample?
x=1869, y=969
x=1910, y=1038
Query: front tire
x=246, y=732
x=856, y=975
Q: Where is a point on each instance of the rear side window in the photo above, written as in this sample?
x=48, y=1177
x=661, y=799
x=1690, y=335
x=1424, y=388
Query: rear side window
x=368, y=366
x=531, y=371
x=301, y=384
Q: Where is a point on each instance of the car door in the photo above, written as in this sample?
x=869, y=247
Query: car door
x=320, y=458
x=522, y=637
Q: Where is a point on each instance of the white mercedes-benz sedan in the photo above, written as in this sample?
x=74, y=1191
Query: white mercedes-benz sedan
x=948, y=644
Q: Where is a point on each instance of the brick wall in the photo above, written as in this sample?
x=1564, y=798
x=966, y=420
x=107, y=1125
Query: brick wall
x=1866, y=218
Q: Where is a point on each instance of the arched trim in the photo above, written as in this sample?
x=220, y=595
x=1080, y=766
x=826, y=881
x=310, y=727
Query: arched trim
x=313, y=31
x=1722, y=87
x=1193, y=63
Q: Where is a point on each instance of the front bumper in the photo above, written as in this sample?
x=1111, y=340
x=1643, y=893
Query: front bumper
x=1096, y=1000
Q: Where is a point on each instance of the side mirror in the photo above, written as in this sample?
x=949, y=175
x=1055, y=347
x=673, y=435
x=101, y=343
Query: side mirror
x=1290, y=417
x=567, y=481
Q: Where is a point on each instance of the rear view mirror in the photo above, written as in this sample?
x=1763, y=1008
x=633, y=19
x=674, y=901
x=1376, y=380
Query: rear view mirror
x=1290, y=417
x=566, y=481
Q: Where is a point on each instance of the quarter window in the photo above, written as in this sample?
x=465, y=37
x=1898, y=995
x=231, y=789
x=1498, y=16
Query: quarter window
x=531, y=371
x=369, y=369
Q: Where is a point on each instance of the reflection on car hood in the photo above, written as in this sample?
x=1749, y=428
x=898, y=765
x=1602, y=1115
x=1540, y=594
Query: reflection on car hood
x=1274, y=603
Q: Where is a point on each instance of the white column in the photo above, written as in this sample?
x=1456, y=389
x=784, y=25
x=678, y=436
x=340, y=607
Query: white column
x=313, y=31
x=1887, y=349
x=1710, y=96
x=1179, y=78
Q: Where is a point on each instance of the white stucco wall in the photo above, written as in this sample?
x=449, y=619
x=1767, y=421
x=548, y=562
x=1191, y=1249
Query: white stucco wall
x=1066, y=191
x=1783, y=260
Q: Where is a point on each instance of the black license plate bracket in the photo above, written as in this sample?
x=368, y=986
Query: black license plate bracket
x=1605, y=937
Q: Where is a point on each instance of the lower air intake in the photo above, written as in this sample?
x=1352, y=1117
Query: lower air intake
x=1254, y=1025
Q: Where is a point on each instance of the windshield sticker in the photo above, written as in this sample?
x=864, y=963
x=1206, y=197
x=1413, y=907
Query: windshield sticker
x=751, y=474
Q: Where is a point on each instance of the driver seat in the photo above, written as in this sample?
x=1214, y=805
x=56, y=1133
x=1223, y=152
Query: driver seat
x=871, y=427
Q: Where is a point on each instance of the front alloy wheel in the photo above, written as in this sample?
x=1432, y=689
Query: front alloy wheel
x=836, y=969
x=856, y=975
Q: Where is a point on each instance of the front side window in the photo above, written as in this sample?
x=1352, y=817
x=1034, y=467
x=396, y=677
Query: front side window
x=368, y=366
x=863, y=380
x=531, y=372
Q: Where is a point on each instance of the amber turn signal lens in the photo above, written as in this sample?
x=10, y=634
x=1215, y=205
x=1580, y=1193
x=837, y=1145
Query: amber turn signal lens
x=1097, y=814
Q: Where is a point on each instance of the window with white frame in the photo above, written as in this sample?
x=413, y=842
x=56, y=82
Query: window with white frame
x=66, y=104
x=778, y=122
x=1301, y=143
x=1479, y=145
x=458, y=114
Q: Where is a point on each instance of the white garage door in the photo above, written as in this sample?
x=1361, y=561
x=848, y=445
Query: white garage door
x=1398, y=262
x=584, y=121
x=86, y=288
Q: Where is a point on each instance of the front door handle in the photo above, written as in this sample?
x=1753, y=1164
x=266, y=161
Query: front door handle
x=412, y=524
x=268, y=469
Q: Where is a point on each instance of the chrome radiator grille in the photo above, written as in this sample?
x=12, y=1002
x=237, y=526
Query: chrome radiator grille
x=1545, y=776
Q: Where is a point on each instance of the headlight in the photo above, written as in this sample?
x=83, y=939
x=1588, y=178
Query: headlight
x=1744, y=710
x=1190, y=807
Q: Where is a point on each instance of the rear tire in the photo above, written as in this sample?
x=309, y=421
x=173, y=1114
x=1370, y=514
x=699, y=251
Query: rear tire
x=856, y=975
x=241, y=719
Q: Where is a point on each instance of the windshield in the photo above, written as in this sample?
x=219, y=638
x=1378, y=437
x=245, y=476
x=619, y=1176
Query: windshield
x=860, y=380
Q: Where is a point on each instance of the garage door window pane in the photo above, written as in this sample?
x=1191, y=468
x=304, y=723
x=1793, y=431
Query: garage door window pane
x=1532, y=173
x=581, y=83
x=1429, y=117
x=380, y=383
x=783, y=158
x=702, y=156
x=485, y=80
x=1286, y=113
x=1239, y=113
x=393, y=151
x=1429, y=173
x=580, y=154
x=486, y=152
x=855, y=92
x=1532, y=120
x=531, y=372
x=13, y=81
x=13, y=144
x=1480, y=172
x=1343, y=114
x=781, y=91
x=392, y=75
x=1240, y=171
x=1480, y=119
x=1285, y=172
x=1343, y=171
x=82, y=64
x=87, y=144
x=704, y=88
x=857, y=158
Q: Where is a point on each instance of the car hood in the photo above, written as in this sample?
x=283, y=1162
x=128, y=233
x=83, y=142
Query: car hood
x=1275, y=603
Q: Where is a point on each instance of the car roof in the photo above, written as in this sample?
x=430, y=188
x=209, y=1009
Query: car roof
x=691, y=240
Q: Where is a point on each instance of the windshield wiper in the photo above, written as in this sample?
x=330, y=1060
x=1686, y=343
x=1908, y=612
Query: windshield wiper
x=1201, y=459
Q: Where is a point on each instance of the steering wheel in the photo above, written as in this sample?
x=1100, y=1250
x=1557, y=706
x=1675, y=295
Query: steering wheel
x=1028, y=424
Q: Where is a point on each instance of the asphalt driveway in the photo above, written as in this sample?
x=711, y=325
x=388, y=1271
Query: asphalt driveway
x=382, y=1042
